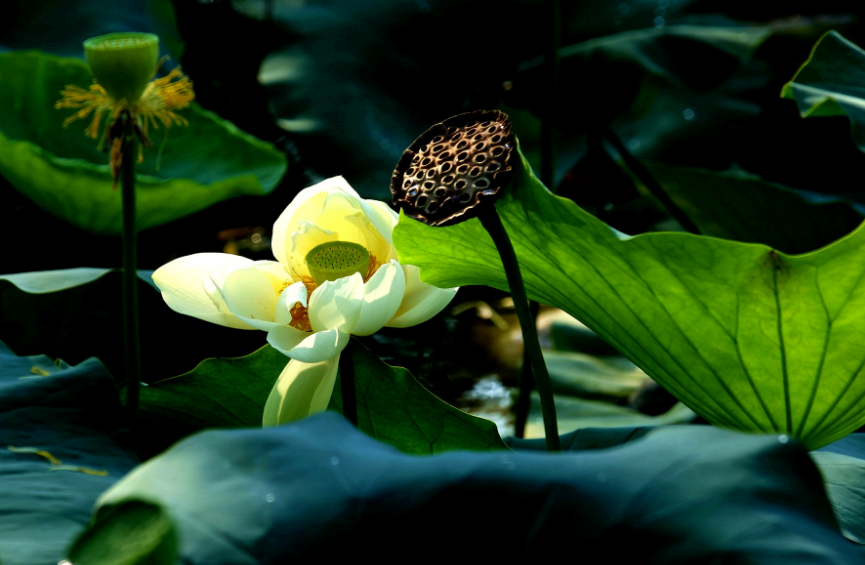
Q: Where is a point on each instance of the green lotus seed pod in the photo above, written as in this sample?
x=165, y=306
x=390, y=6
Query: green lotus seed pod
x=123, y=63
x=337, y=259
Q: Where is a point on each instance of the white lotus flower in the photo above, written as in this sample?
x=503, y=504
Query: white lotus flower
x=336, y=274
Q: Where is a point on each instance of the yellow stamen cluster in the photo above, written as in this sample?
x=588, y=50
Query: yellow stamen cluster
x=162, y=97
x=95, y=101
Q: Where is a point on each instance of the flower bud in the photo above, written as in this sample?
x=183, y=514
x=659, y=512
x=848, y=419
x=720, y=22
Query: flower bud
x=123, y=63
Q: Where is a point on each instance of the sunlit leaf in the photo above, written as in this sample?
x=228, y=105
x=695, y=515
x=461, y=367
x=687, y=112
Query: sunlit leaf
x=748, y=337
x=62, y=171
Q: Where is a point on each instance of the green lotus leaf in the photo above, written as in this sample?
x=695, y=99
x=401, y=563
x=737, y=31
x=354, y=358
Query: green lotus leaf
x=63, y=445
x=832, y=83
x=392, y=406
x=316, y=488
x=748, y=337
x=61, y=170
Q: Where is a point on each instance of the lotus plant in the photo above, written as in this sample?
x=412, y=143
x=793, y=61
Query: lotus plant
x=336, y=274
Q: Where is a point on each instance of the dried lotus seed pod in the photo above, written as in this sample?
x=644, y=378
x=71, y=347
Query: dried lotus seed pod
x=455, y=168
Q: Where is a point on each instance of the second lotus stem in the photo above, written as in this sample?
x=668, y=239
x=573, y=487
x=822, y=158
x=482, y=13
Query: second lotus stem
x=131, y=331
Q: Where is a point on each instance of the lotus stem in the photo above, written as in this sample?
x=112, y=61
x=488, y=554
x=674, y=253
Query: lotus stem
x=527, y=384
x=491, y=221
x=347, y=383
x=131, y=349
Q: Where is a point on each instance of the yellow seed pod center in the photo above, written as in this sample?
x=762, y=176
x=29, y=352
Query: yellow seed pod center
x=336, y=259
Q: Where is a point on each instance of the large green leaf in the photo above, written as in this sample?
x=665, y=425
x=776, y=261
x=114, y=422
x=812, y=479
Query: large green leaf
x=679, y=495
x=748, y=337
x=740, y=206
x=76, y=313
x=71, y=414
x=392, y=406
x=842, y=465
x=832, y=83
x=61, y=169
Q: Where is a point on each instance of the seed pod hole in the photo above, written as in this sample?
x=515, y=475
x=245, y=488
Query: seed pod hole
x=426, y=162
x=440, y=191
x=462, y=156
x=480, y=158
x=465, y=197
x=492, y=167
x=437, y=139
x=496, y=138
x=428, y=185
x=456, y=136
x=484, y=124
x=420, y=175
x=445, y=155
x=448, y=179
x=438, y=148
x=411, y=170
x=422, y=200
x=446, y=167
x=433, y=206
x=471, y=132
x=462, y=169
x=479, y=137
x=461, y=184
x=407, y=183
x=480, y=146
x=462, y=145
x=475, y=172
x=416, y=160
x=498, y=151
x=491, y=129
x=482, y=183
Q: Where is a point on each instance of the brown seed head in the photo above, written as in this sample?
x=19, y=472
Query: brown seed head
x=455, y=168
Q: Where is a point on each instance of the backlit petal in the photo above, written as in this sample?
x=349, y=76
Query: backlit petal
x=285, y=338
x=250, y=296
x=305, y=206
x=337, y=304
x=383, y=294
x=302, y=389
x=183, y=284
x=421, y=301
x=319, y=346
